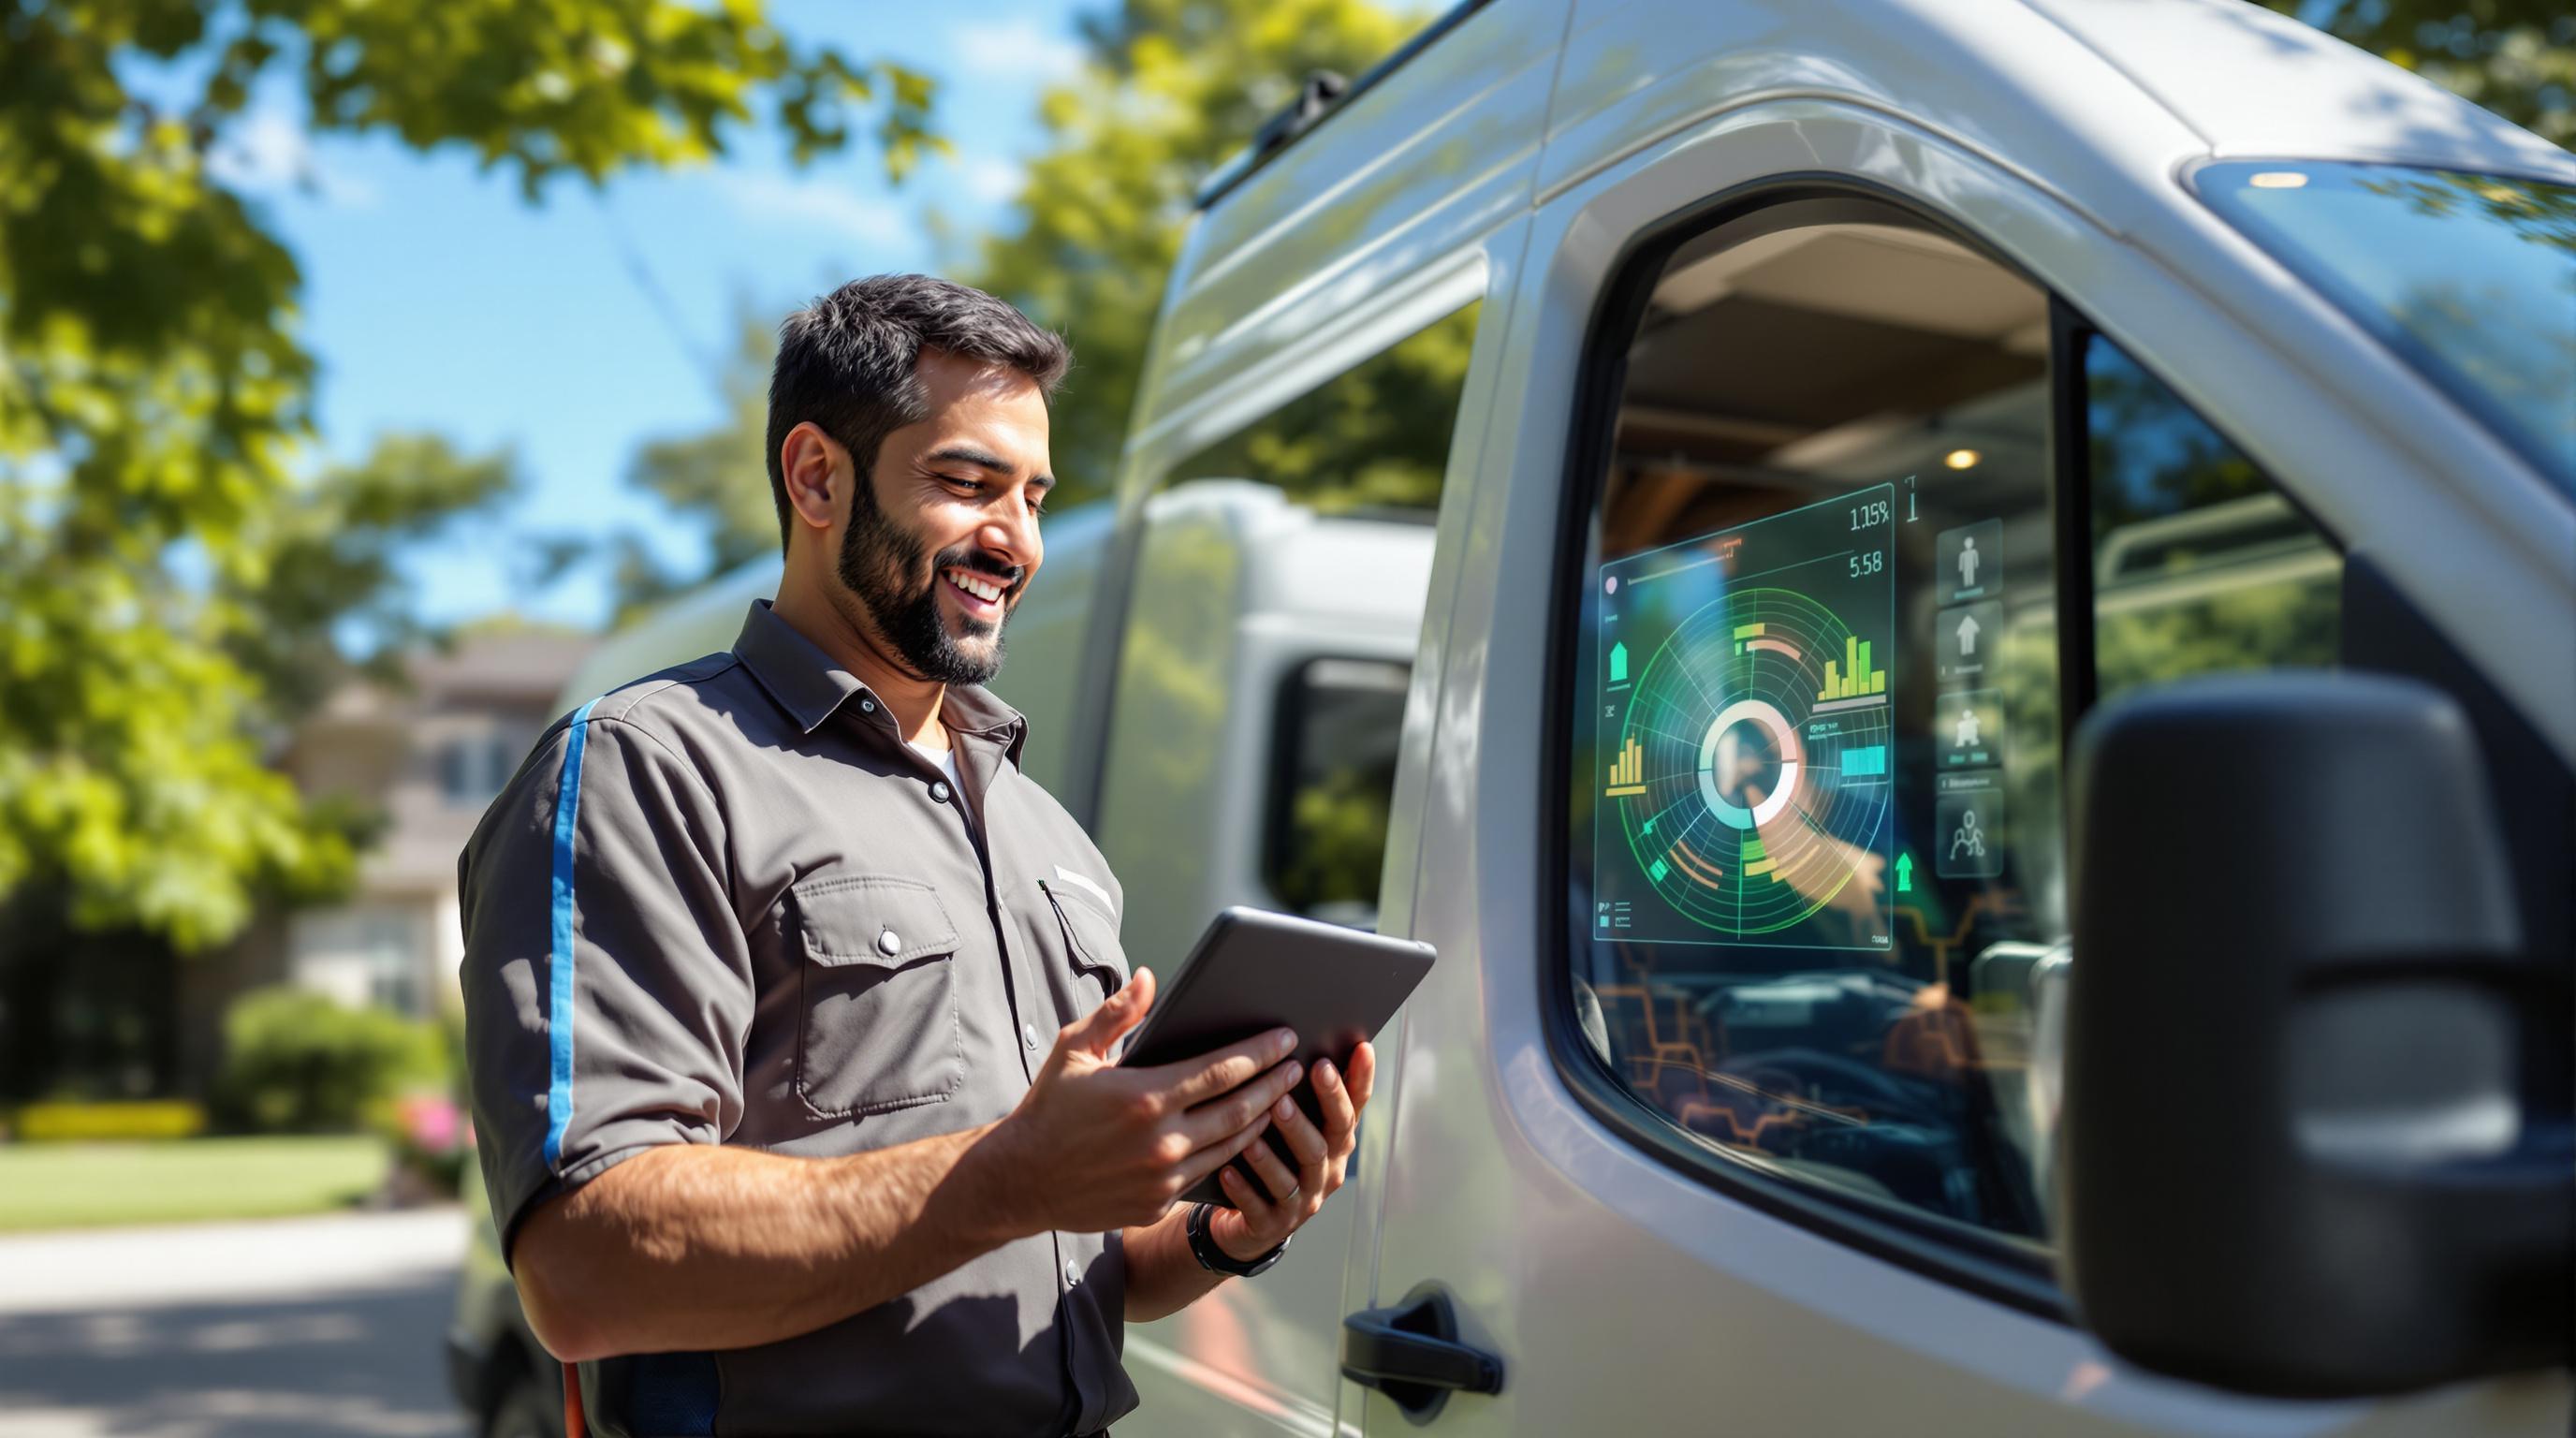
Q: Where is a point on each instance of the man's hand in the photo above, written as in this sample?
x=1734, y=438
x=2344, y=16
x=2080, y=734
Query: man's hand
x=1258, y=1221
x=1094, y=1147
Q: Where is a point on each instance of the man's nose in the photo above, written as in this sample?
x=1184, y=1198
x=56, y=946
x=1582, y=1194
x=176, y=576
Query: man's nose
x=1011, y=538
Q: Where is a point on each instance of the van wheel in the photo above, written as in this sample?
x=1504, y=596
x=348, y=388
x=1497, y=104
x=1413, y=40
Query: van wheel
x=526, y=1410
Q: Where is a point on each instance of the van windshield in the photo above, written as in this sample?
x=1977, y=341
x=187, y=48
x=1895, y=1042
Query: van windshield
x=2472, y=278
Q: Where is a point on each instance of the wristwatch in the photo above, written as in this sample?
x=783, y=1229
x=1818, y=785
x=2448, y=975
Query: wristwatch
x=1203, y=1247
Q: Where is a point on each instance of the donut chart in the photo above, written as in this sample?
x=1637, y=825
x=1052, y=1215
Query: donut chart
x=1748, y=781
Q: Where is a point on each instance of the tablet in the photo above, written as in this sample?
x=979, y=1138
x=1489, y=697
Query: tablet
x=1253, y=971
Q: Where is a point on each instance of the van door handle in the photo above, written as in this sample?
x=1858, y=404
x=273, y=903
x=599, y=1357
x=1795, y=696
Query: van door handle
x=1411, y=1353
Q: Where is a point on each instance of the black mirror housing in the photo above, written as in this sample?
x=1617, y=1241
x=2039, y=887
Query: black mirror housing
x=2316, y=1135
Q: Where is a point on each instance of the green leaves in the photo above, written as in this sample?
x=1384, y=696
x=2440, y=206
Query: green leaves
x=171, y=569
x=1173, y=88
x=2515, y=57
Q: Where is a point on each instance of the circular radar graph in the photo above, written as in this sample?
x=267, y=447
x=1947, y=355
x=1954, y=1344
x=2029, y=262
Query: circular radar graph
x=1755, y=754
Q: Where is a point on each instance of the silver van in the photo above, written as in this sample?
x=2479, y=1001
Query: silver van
x=1989, y=746
x=1989, y=759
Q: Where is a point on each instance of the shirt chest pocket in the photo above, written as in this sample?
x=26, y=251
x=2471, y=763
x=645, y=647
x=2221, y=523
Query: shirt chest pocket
x=878, y=1013
x=1093, y=965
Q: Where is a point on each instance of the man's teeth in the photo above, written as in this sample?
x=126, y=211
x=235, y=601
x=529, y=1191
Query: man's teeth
x=981, y=589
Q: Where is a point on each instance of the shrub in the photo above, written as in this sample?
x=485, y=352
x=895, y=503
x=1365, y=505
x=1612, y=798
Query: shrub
x=297, y=1062
x=70, y=1122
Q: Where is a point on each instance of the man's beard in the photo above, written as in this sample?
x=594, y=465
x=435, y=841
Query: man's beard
x=879, y=561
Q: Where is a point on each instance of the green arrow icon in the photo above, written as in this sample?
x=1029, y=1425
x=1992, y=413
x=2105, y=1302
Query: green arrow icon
x=1905, y=873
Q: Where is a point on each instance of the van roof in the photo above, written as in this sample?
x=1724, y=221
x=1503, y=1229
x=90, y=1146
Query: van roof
x=2306, y=103
x=1504, y=103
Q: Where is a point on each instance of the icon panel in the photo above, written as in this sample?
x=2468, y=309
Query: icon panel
x=1969, y=835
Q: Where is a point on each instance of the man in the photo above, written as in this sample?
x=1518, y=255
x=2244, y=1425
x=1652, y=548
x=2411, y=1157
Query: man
x=763, y=953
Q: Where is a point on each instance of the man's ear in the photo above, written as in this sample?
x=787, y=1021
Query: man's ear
x=817, y=471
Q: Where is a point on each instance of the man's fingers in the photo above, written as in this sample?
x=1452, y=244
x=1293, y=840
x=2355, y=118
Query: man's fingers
x=1341, y=1111
x=1206, y=1161
x=1277, y=1176
x=1304, y=1139
x=1194, y=1081
x=1260, y=1215
x=1098, y=1031
x=1361, y=1079
x=1218, y=1117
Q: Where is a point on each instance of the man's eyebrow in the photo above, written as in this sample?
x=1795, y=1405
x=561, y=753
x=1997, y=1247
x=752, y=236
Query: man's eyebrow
x=968, y=454
x=982, y=459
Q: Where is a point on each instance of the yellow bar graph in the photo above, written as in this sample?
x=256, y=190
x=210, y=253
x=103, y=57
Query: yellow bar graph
x=1628, y=775
x=1854, y=677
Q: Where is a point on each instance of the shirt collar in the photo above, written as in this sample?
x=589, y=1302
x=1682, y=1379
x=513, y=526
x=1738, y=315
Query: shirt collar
x=811, y=685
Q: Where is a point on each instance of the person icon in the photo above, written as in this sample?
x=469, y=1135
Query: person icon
x=1968, y=838
x=1968, y=728
x=1968, y=562
x=1968, y=627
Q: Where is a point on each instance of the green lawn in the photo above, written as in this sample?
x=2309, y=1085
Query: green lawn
x=71, y=1185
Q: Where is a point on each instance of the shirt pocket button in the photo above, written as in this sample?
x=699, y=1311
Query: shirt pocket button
x=888, y=942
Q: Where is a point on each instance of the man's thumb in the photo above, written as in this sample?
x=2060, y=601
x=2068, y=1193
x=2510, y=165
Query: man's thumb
x=1100, y=1030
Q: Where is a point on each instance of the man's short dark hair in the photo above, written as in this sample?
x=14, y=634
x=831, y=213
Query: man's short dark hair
x=849, y=363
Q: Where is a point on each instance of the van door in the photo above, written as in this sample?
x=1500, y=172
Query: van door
x=1265, y=664
x=1728, y=1106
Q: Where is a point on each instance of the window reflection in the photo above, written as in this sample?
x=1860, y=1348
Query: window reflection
x=2199, y=564
x=1816, y=835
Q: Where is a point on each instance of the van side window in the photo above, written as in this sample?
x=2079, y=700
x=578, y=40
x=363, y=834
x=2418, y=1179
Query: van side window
x=1812, y=773
x=1339, y=720
x=1374, y=438
x=2199, y=564
x=1267, y=640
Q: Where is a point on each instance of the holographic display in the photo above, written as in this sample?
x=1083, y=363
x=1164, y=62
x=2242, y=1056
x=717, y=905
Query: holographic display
x=1744, y=733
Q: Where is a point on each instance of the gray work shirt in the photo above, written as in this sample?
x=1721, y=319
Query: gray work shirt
x=727, y=904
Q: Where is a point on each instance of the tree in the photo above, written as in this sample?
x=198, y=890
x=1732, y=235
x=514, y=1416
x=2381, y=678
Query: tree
x=1170, y=90
x=165, y=573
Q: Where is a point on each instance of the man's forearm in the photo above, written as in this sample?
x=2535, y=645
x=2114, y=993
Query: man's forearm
x=695, y=1246
x=1163, y=1277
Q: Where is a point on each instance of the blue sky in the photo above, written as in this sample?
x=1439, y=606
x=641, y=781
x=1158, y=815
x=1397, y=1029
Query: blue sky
x=436, y=299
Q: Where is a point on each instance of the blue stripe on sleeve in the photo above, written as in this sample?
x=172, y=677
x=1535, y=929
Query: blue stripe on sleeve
x=559, y=1002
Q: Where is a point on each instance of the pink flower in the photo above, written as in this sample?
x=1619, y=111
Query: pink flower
x=432, y=1122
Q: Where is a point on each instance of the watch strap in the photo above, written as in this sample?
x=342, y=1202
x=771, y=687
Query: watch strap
x=1203, y=1247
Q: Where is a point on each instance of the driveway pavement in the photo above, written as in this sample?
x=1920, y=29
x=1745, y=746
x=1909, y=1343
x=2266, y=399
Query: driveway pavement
x=290, y=1328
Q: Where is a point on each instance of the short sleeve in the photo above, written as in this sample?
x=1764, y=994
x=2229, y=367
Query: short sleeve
x=607, y=982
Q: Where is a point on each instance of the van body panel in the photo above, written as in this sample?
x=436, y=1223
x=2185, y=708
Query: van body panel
x=1992, y=76
x=2253, y=82
x=1415, y=170
x=1235, y=590
x=1621, y=1295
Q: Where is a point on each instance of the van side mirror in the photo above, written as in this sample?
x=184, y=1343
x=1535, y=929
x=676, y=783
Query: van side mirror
x=2316, y=1137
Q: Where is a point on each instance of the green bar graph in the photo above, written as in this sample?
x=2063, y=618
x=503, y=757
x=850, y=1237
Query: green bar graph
x=1854, y=677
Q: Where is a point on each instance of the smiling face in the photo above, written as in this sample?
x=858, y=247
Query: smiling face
x=942, y=538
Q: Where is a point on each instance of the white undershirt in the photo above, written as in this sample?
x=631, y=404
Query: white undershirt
x=947, y=761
